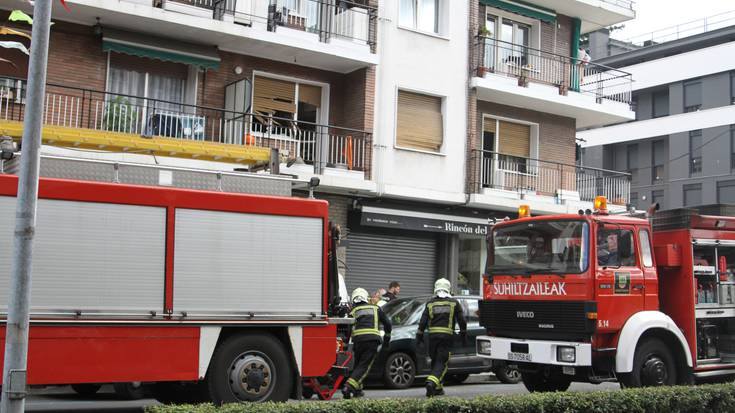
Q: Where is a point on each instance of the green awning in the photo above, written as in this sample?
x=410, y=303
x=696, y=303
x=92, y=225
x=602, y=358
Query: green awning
x=524, y=9
x=136, y=44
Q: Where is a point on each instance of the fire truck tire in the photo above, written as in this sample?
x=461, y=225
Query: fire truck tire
x=653, y=365
x=129, y=391
x=545, y=380
x=252, y=368
x=86, y=389
x=399, y=371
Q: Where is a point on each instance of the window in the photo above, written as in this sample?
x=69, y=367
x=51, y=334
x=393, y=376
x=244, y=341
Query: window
x=277, y=98
x=632, y=158
x=695, y=151
x=658, y=196
x=726, y=192
x=472, y=257
x=646, y=248
x=692, y=96
x=421, y=15
x=634, y=199
x=660, y=103
x=615, y=248
x=658, y=172
x=508, y=43
x=692, y=195
x=514, y=145
x=420, y=124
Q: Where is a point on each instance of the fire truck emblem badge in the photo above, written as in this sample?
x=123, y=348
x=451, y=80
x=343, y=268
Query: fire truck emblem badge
x=622, y=283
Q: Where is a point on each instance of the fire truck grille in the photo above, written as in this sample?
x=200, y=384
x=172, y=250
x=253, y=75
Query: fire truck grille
x=551, y=320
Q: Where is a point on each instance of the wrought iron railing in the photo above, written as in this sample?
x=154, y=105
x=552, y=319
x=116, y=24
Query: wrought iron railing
x=352, y=20
x=511, y=173
x=317, y=144
x=533, y=65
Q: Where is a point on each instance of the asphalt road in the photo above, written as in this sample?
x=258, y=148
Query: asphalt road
x=63, y=399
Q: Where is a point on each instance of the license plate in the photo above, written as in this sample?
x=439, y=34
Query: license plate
x=519, y=356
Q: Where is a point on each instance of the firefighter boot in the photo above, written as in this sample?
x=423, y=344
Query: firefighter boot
x=430, y=388
x=346, y=392
x=358, y=393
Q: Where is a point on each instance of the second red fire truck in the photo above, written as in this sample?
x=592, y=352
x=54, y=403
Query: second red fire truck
x=595, y=297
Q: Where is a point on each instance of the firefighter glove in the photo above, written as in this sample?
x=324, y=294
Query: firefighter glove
x=386, y=342
x=419, y=339
x=463, y=336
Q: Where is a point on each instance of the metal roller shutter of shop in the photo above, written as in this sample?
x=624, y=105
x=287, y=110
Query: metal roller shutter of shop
x=374, y=260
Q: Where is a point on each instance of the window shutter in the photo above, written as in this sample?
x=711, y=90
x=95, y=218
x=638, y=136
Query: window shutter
x=273, y=95
x=420, y=123
x=514, y=139
x=310, y=94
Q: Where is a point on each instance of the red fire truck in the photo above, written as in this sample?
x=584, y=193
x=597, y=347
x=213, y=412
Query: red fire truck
x=203, y=295
x=596, y=297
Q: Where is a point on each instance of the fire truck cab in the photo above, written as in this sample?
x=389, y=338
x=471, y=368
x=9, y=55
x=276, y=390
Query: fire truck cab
x=595, y=297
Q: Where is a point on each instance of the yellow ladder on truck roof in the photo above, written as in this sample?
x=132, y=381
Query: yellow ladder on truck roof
x=69, y=137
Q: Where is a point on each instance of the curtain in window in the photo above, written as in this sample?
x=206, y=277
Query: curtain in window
x=126, y=82
x=168, y=89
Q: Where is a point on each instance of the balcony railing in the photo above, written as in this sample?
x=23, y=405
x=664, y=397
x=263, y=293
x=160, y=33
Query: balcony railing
x=533, y=65
x=341, y=19
x=627, y=4
x=511, y=173
x=319, y=145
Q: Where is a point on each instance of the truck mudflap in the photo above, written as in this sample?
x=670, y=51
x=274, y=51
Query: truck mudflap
x=560, y=353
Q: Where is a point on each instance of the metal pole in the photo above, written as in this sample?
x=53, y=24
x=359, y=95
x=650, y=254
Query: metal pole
x=16, y=335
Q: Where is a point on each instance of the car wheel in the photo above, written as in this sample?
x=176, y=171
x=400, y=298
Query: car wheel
x=86, y=389
x=457, y=378
x=129, y=391
x=399, y=371
x=508, y=374
x=545, y=380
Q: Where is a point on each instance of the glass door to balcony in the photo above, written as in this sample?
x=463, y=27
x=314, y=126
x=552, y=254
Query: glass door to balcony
x=506, y=44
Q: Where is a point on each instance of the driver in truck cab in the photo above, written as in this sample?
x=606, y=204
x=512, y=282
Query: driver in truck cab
x=607, y=249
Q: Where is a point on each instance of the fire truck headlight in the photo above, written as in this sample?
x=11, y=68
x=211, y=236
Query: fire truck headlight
x=566, y=354
x=484, y=347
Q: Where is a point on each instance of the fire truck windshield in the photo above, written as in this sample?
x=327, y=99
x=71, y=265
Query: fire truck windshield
x=540, y=247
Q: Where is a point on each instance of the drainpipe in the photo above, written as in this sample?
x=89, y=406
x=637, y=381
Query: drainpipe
x=379, y=138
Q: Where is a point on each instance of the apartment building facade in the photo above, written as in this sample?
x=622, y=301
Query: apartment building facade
x=476, y=110
x=679, y=150
x=422, y=119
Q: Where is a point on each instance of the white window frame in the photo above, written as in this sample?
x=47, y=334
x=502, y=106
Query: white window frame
x=535, y=32
x=442, y=10
x=534, y=138
x=442, y=150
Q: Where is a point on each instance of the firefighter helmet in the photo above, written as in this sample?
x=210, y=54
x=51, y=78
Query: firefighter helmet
x=359, y=294
x=442, y=284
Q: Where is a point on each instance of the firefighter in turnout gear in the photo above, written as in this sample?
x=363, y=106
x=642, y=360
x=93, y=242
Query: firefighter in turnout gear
x=440, y=315
x=365, y=340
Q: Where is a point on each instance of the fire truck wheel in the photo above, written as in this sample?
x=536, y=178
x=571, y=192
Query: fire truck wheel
x=399, y=371
x=251, y=368
x=653, y=365
x=545, y=380
x=86, y=389
x=129, y=391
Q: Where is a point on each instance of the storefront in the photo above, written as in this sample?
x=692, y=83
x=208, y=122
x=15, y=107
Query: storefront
x=415, y=245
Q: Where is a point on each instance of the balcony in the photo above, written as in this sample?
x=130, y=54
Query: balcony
x=497, y=176
x=82, y=118
x=336, y=36
x=595, y=14
x=517, y=75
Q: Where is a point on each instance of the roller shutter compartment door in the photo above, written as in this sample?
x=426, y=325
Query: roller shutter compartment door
x=374, y=260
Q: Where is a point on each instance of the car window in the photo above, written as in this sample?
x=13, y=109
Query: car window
x=405, y=311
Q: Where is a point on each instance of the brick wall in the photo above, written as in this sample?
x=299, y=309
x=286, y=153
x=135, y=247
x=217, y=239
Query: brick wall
x=556, y=133
x=476, y=17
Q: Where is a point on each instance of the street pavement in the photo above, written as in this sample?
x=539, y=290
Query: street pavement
x=63, y=399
